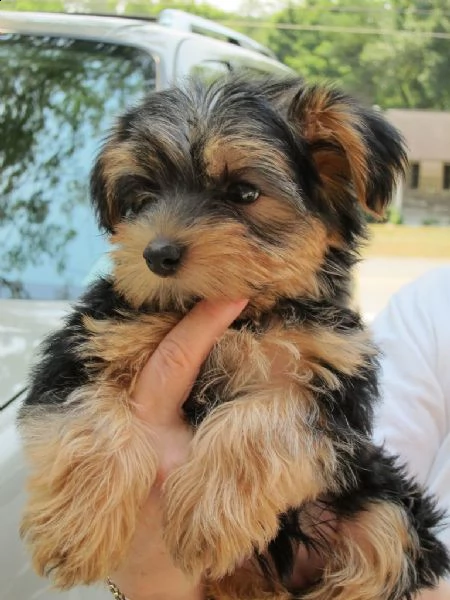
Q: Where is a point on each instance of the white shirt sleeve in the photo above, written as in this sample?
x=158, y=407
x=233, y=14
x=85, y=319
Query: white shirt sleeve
x=413, y=334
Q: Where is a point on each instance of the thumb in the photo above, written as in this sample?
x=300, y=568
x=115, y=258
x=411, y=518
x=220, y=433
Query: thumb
x=167, y=378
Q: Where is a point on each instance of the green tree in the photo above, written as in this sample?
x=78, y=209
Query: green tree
x=392, y=69
x=412, y=71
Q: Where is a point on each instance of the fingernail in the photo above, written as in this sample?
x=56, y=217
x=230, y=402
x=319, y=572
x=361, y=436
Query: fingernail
x=240, y=303
x=236, y=305
x=230, y=306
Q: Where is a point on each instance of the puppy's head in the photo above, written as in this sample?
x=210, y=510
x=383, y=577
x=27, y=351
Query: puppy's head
x=246, y=188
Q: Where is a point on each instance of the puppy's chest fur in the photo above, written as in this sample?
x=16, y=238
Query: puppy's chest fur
x=320, y=354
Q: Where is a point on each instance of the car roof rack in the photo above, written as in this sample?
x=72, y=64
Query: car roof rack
x=183, y=21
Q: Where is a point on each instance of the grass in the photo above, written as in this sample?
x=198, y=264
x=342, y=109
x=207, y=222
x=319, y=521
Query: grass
x=408, y=242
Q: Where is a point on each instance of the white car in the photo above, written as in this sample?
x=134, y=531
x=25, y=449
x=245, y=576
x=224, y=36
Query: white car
x=64, y=78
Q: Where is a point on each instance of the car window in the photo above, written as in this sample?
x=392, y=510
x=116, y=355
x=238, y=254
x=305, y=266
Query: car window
x=209, y=70
x=58, y=97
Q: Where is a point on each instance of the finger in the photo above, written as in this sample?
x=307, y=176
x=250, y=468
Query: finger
x=168, y=376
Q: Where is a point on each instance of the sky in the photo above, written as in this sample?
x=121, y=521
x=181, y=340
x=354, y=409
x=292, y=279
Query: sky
x=235, y=5
x=231, y=5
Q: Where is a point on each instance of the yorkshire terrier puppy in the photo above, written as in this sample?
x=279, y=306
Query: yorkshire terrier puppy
x=240, y=189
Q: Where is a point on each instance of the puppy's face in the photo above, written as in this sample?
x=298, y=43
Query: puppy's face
x=242, y=189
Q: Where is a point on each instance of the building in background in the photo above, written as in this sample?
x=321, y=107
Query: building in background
x=424, y=197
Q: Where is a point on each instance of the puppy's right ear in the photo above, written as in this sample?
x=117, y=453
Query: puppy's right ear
x=99, y=197
x=113, y=166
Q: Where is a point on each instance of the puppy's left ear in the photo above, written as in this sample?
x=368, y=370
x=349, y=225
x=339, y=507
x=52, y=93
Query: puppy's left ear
x=356, y=151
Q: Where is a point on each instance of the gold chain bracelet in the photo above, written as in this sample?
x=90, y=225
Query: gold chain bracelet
x=115, y=590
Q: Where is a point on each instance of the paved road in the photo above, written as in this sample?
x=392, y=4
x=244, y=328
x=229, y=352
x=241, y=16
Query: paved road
x=379, y=278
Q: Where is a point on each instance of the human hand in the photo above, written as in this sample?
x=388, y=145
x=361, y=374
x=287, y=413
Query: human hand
x=148, y=572
x=442, y=592
x=164, y=384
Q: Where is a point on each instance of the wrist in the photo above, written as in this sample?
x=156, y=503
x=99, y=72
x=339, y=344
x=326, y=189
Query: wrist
x=147, y=591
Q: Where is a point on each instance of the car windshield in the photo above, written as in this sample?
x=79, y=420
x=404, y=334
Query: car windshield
x=58, y=97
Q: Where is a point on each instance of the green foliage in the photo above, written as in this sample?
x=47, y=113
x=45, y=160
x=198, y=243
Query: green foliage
x=391, y=69
x=132, y=7
x=394, y=216
x=33, y=5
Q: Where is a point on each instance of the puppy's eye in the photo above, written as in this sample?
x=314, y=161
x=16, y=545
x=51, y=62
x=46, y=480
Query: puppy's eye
x=242, y=193
x=136, y=205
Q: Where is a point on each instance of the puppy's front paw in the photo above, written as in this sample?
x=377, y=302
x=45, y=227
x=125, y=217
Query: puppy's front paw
x=214, y=519
x=90, y=476
x=223, y=504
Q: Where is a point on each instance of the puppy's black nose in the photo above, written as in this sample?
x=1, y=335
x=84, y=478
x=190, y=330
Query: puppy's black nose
x=163, y=257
